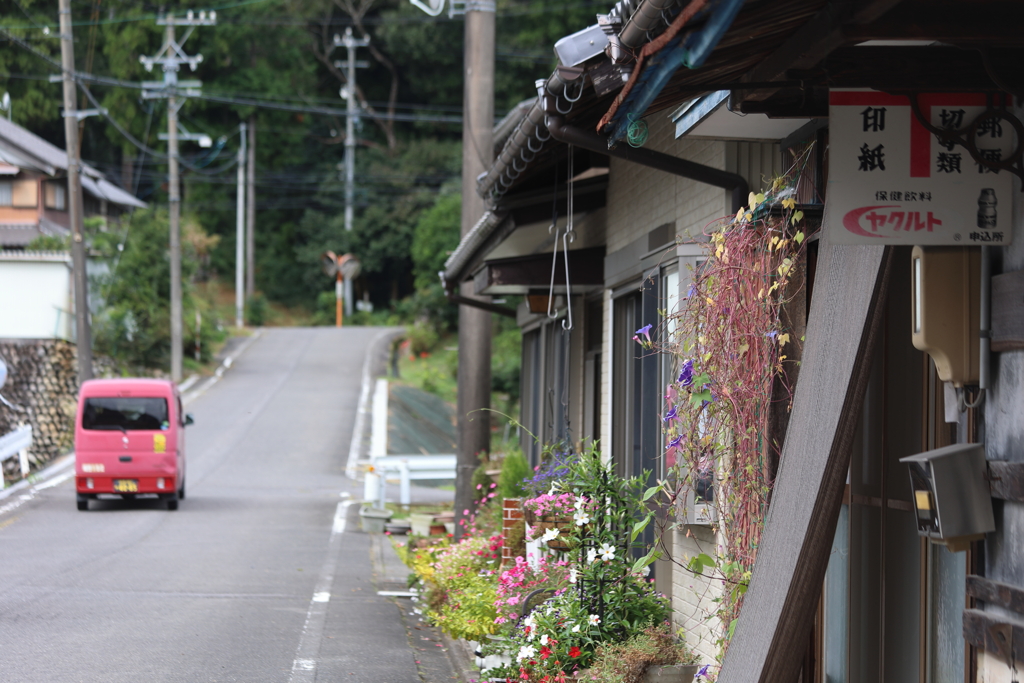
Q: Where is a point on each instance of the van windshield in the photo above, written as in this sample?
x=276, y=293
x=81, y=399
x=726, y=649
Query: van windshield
x=124, y=413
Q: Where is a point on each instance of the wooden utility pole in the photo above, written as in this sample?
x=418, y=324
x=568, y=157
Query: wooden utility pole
x=474, y=374
x=74, y=199
x=174, y=198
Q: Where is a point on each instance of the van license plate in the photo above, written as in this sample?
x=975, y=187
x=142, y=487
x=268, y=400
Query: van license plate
x=126, y=485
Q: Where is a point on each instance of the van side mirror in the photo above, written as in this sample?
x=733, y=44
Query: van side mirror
x=188, y=419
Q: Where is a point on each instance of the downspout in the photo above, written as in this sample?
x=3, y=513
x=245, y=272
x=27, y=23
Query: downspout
x=476, y=303
x=572, y=135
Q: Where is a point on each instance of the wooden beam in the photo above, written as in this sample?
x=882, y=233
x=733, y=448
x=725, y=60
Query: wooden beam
x=842, y=334
x=523, y=273
x=955, y=22
x=813, y=41
x=998, y=635
x=1006, y=480
x=926, y=68
x=996, y=593
x=1008, y=311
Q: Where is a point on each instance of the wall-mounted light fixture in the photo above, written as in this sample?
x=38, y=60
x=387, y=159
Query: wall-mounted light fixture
x=951, y=494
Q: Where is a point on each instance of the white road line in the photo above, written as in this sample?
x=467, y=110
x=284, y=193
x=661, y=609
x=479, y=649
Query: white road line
x=57, y=473
x=340, y=515
x=355, y=447
x=304, y=666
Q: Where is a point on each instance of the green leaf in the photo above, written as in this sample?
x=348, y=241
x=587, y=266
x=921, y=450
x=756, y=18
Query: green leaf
x=640, y=526
x=799, y=237
x=650, y=492
x=732, y=628
x=699, y=397
x=646, y=559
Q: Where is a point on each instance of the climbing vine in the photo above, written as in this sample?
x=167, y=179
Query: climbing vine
x=730, y=345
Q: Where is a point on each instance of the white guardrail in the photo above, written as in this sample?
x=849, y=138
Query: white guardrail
x=406, y=468
x=16, y=443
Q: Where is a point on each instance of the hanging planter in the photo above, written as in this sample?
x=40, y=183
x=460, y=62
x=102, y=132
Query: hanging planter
x=562, y=524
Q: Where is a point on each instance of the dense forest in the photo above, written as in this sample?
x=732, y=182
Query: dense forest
x=272, y=63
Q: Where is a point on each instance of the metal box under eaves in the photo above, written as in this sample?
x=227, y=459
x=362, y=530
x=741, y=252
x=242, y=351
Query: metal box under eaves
x=951, y=494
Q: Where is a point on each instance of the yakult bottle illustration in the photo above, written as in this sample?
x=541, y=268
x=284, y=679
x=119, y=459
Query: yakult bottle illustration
x=987, y=209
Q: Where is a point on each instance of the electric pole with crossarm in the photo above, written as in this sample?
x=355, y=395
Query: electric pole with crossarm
x=348, y=93
x=170, y=57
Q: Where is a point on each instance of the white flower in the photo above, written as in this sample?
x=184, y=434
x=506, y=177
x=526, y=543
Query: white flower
x=591, y=556
x=530, y=621
x=576, y=628
x=645, y=571
x=607, y=551
x=580, y=502
x=550, y=535
x=572, y=575
x=581, y=517
x=525, y=652
x=594, y=620
x=544, y=639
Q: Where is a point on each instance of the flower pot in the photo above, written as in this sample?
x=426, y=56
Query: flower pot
x=670, y=673
x=373, y=519
x=421, y=523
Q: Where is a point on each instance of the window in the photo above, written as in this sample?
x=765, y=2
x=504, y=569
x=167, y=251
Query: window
x=124, y=413
x=6, y=190
x=55, y=195
x=24, y=194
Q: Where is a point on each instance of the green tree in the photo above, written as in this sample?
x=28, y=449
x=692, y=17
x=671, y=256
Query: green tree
x=437, y=234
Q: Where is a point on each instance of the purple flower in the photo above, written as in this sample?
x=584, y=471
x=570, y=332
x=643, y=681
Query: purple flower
x=686, y=374
x=672, y=414
x=773, y=334
x=676, y=442
x=703, y=672
x=645, y=330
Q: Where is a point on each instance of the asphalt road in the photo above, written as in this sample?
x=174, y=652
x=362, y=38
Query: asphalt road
x=261, y=575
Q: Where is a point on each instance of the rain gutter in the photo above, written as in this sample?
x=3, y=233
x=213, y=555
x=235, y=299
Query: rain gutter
x=586, y=139
x=489, y=231
x=529, y=136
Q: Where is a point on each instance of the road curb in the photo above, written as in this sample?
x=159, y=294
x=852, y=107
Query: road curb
x=55, y=468
x=359, y=429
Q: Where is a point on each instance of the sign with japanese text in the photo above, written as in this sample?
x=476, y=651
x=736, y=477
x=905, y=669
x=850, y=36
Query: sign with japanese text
x=892, y=181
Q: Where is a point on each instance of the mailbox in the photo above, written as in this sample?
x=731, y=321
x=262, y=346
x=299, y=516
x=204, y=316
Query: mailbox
x=698, y=507
x=951, y=494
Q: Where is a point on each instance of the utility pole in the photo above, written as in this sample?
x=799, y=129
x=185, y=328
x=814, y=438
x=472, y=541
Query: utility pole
x=348, y=93
x=170, y=57
x=83, y=333
x=250, y=198
x=240, y=234
x=474, y=373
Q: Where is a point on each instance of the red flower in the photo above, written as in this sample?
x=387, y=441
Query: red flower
x=574, y=651
x=545, y=652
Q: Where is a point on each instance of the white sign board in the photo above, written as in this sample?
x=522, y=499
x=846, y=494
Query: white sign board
x=891, y=181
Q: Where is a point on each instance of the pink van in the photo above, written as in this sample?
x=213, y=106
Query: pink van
x=130, y=440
